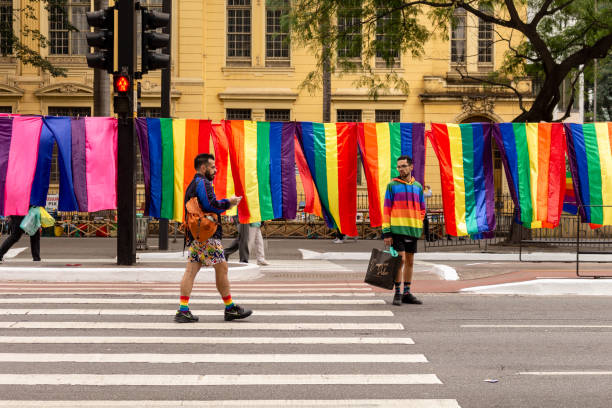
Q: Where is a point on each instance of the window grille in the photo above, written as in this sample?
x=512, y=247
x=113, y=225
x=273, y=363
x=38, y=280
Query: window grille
x=485, y=38
x=348, y=115
x=238, y=114
x=387, y=115
x=6, y=27
x=278, y=115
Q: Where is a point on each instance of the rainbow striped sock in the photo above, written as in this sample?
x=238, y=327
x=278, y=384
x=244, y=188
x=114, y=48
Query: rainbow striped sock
x=406, y=288
x=229, y=303
x=184, y=305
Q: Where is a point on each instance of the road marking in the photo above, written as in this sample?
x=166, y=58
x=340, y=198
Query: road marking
x=122, y=301
x=195, y=292
x=565, y=373
x=242, y=290
x=173, y=285
x=201, y=326
x=343, y=403
x=208, y=358
x=201, y=340
x=157, y=312
x=539, y=326
x=206, y=380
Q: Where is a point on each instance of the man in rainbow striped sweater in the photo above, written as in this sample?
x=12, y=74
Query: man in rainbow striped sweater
x=403, y=214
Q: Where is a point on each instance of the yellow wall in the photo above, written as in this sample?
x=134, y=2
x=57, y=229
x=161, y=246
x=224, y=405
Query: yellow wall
x=204, y=86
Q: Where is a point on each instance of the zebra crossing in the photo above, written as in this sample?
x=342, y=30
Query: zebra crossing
x=306, y=345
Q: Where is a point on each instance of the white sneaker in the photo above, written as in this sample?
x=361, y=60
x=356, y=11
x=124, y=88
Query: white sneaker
x=263, y=262
x=338, y=241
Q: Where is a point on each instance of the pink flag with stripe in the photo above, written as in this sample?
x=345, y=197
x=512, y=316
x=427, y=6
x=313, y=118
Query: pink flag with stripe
x=23, y=154
x=101, y=159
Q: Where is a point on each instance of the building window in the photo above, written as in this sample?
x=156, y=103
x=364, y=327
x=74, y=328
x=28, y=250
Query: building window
x=69, y=111
x=458, y=37
x=277, y=36
x=278, y=115
x=65, y=41
x=239, y=32
x=6, y=109
x=349, y=30
x=238, y=114
x=348, y=115
x=387, y=115
x=6, y=27
x=387, y=50
x=485, y=38
x=148, y=112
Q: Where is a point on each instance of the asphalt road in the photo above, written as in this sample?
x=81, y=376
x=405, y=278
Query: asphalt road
x=460, y=356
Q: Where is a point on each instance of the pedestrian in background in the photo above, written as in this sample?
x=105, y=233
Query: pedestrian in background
x=240, y=243
x=403, y=213
x=15, y=235
x=209, y=253
x=256, y=243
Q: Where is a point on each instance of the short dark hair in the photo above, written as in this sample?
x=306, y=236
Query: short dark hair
x=201, y=159
x=407, y=158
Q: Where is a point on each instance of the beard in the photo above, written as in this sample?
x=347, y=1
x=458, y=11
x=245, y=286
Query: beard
x=209, y=176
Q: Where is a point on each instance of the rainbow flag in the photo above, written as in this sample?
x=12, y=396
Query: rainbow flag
x=331, y=153
x=589, y=149
x=224, y=180
x=263, y=167
x=312, y=203
x=466, y=171
x=534, y=158
x=380, y=144
x=168, y=148
x=569, y=201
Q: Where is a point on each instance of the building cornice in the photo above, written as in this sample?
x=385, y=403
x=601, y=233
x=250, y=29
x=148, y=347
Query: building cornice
x=65, y=90
x=257, y=94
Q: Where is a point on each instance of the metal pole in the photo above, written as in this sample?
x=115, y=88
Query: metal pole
x=126, y=186
x=165, y=110
x=101, y=83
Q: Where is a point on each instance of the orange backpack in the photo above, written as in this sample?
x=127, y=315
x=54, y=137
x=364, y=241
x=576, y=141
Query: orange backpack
x=201, y=225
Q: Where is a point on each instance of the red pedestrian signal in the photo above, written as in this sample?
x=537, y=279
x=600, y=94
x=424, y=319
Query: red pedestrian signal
x=122, y=84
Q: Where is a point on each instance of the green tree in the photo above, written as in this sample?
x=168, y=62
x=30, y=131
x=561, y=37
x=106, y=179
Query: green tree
x=19, y=45
x=604, y=90
x=557, y=37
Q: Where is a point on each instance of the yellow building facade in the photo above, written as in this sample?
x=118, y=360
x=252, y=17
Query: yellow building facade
x=230, y=60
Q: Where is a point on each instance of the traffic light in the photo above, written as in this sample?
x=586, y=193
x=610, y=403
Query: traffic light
x=104, y=21
x=152, y=40
x=122, y=85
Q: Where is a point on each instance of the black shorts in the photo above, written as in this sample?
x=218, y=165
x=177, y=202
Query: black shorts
x=404, y=243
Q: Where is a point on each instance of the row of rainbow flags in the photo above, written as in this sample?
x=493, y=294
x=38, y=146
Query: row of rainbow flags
x=258, y=160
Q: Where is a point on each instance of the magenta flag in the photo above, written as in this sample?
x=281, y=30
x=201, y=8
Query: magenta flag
x=23, y=154
x=101, y=163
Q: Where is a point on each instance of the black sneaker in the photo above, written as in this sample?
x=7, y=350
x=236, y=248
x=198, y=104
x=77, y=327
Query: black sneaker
x=410, y=298
x=237, y=312
x=397, y=299
x=185, y=317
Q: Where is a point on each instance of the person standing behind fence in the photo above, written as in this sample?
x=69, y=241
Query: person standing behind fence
x=403, y=214
x=209, y=253
x=15, y=234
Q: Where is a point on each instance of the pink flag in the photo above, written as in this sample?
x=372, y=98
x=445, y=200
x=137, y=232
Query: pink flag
x=21, y=164
x=101, y=159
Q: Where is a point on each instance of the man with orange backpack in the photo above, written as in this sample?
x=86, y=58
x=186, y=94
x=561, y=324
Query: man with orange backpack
x=210, y=252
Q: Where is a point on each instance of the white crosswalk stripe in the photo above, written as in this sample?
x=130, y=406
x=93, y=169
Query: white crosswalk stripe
x=68, y=335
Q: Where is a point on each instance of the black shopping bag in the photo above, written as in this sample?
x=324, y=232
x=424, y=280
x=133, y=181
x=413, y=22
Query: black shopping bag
x=382, y=269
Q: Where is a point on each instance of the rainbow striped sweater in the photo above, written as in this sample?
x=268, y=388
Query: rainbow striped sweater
x=404, y=208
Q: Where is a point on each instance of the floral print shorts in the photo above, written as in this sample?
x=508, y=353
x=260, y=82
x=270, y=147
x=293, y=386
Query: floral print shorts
x=207, y=253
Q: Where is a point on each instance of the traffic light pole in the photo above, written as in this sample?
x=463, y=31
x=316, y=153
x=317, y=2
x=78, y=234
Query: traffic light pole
x=126, y=183
x=165, y=113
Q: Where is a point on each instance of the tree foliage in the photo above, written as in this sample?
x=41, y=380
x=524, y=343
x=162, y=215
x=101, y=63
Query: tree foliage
x=25, y=45
x=548, y=40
